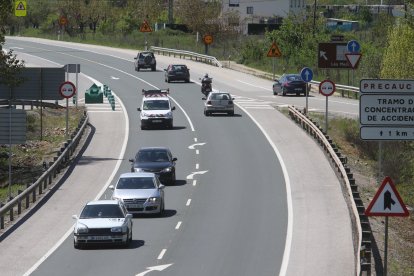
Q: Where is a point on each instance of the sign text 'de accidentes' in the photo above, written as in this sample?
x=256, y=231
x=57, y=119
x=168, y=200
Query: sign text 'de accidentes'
x=386, y=86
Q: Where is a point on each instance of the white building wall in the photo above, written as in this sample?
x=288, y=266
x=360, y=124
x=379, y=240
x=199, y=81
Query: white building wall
x=263, y=8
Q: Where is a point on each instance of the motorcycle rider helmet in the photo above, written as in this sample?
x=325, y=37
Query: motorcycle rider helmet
x=206, y=76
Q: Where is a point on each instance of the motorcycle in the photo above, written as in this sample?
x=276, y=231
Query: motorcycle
x=206, y=86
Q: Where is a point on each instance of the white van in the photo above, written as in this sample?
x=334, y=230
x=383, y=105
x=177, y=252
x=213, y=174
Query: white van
x=156, y=109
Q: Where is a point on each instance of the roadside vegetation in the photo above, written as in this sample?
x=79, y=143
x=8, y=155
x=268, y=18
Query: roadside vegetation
x=387, y=49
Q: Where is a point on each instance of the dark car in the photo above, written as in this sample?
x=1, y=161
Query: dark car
x=177, y=72
x=158, y=160
x=289, y=84
x=145, y=60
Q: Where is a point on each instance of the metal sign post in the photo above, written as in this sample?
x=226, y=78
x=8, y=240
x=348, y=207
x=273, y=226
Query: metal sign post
x=387, y=202
x=326, y=88
x=67, y=90
x=306, y=75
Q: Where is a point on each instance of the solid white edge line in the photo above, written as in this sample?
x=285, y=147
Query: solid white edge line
x=162, y=254
x=288, y=244
x=178, y=225
x=188, y=202
x=101, y=192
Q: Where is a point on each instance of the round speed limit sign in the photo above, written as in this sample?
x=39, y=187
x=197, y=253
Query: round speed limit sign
x=67, y=89
x=327, y=88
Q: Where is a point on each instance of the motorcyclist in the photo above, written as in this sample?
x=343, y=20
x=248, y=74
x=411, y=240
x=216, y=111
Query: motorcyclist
x=206, y=84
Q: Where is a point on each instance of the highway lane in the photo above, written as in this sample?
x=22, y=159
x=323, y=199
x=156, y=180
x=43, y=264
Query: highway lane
x=238, y=178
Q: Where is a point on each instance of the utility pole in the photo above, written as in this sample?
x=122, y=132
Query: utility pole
x=170, y=12
x=314, y=18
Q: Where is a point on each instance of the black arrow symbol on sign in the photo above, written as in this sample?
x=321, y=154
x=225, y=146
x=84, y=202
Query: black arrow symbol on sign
x=388, y=200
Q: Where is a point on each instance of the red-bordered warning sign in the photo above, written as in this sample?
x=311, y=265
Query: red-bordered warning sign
x=145, y=27
x=387, y=201
x=274, y=51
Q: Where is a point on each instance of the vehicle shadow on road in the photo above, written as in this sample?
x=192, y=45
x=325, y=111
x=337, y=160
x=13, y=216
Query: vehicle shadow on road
x=178, y=183
x=225, y=115
x=166, y=214
x=133, y=245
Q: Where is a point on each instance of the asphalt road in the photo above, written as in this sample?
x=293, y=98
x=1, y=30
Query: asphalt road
x=232, y=218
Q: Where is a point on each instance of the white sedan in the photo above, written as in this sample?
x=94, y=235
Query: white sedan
x=103, y=221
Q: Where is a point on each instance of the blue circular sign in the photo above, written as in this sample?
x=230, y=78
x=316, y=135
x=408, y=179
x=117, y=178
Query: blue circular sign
x=353, y=46
x=306, y=74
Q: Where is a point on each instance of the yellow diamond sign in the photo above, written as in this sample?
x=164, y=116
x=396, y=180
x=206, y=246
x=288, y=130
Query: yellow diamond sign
x=20, y=8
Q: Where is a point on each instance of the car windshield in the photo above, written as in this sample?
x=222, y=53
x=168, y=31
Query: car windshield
x=156, y=105
x=101, y=211
x=217, y=96
x=152, y=156
x=143, y=55
x=135, y=183
x=179, y=68
x=294, y=78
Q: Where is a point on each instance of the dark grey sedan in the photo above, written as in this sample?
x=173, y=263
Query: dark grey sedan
x=177, y=72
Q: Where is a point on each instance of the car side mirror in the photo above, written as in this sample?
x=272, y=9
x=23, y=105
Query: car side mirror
x=139, y=109
x=135, y=58
x=128, y=216
x=165, y=70
x=162, y=186
x=203, y=99
x=173, y=108
x=131, y=160
x=74, y=216
x=111, y=187
x=174, y=159
x=232, y=99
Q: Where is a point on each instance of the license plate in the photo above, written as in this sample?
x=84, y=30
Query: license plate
x=135, y=206
x=298, y=89
x=156, y=121
x=99, y=238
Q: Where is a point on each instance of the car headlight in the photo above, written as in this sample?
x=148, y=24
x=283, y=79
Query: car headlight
x=169, y=169
x=169, y=114
x=143, y=114
x=116, y=198
x=153, y=199
x=82, y=229
x=138, y=170
x=116, y=229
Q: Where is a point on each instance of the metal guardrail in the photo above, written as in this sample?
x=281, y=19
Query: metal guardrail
x=192, y=55
x=37, y=188
x=362, y=243
x=344, y=90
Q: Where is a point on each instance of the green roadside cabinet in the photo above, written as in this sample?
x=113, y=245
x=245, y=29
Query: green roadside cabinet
x=93, y=95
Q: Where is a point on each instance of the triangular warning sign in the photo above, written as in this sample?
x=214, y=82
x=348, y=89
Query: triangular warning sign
x=145, y=27
x=20, y=6
x=387, y=202
x=274, y=51
x=353, y=59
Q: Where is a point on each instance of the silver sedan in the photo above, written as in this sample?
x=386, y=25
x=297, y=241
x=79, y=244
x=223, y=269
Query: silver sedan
x=142, y=193
x=218, y=102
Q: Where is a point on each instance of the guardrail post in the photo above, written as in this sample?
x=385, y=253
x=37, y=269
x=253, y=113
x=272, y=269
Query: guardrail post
x=28, y=196
x=2, y=217
x=34, y=195
x=40, y=189
x=19, y=203
x=50, y=174
x=11, y=211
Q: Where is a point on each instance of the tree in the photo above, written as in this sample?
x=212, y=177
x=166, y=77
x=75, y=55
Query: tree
x=398, y=59
x=198, y=15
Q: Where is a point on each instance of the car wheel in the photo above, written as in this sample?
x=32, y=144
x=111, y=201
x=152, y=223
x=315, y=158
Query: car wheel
x=168, y=80
x=231, y=113
x=284, y=92
x=128, y=240
x=206, y=113
x=170, y=126
x=173, y=178
x=76, y=245
x=275, y=93
x=187, y=80
x=138, y=68
x=142, y=127
x=161, y=212
x=153, y=68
